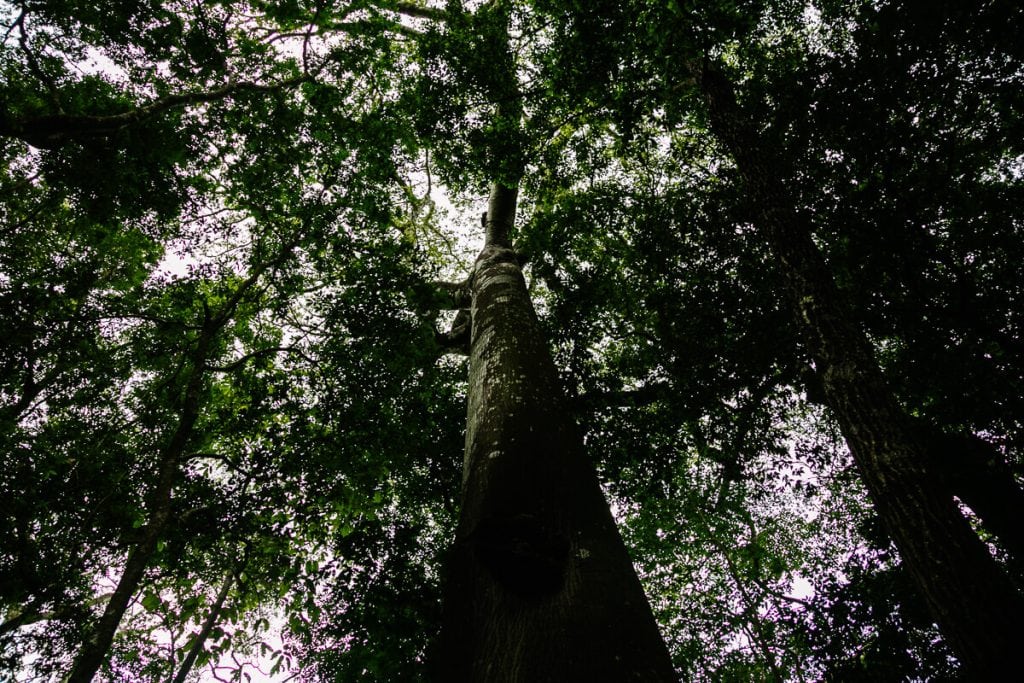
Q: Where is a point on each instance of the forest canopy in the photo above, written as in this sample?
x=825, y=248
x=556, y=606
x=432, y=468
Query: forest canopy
x=769, y=253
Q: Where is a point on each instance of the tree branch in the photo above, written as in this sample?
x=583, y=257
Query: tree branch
x=453, y=296
x=364, y=26
x=52, y=131
x=32, y=62
x=633, y=398
x=212, y=617
x=32, y=616
x=412, y=9
x=236, y=364
x=457, y=339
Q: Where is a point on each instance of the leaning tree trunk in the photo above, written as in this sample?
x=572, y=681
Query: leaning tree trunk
x=974, y=602
x=212, y=617
x=978, y=474
x=94, y=648
x=539, y=584
x=159, y=503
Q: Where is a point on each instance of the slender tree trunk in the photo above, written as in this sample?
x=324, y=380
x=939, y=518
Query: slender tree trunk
x=539, y=585
x=159, y=505
x=212, y=617
x=974, y=602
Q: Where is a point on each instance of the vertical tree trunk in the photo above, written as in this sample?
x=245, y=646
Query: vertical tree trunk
x=539, y=585
x=974, y=602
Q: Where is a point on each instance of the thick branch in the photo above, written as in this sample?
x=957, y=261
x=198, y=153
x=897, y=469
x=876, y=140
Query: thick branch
x=453, y=296
x=456, y=340
x=625, y=398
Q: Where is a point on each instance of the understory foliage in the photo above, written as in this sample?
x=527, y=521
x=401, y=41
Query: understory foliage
x=220, y=228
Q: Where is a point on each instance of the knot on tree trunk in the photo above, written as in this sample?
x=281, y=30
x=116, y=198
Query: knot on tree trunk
x=524, y=555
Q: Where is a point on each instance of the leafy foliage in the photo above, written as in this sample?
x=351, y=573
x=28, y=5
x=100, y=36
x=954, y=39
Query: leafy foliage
x=217, y=244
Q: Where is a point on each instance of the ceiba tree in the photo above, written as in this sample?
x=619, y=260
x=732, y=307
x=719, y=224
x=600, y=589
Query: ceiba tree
x=539, y=586
x=539, y=583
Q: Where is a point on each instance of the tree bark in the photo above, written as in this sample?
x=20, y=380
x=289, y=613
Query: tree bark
x=975, y=604
x=978, y=474
x=539, y=585
x=974, y=471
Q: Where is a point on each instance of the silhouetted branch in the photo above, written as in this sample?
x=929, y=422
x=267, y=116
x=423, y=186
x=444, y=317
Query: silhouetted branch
x=52, y=131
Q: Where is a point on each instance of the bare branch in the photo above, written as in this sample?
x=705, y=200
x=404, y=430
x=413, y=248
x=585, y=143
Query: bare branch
x=32, y=62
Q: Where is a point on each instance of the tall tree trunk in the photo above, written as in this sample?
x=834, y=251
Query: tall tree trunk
x=539, y=584
x=978, y=474
x=974, y=602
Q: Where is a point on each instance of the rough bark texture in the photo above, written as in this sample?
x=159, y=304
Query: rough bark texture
x=979, y=610
x=540, y=586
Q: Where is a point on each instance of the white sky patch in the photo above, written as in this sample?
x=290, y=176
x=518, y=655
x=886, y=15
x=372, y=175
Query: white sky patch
x=174, y=265
x=800, y=588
